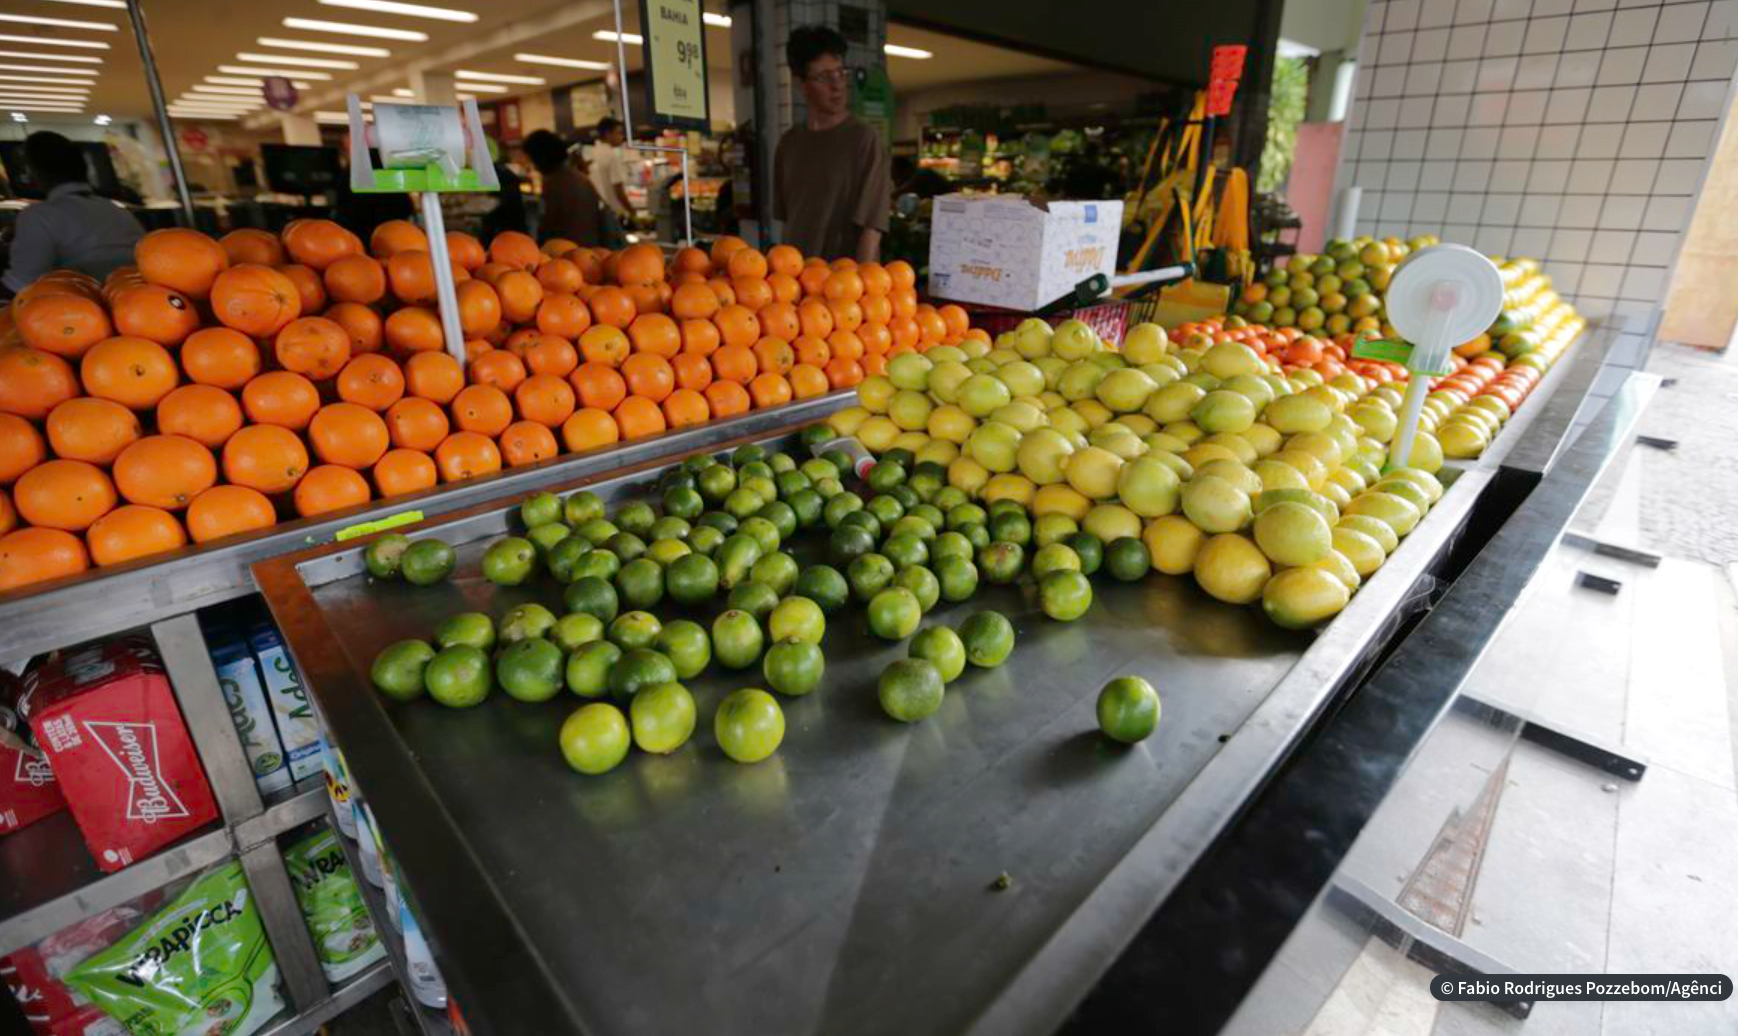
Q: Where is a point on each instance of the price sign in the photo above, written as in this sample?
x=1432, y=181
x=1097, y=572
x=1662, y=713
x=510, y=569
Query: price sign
x=1223, y=76
x=675, y=59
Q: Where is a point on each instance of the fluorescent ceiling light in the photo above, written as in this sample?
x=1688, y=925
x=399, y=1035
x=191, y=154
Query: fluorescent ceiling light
x=722, y=21
x=347, y=29
x=439, y=14
x=206, y=88
x=44, y=79
x=203, y=117
x=33, y=104
x=121, y=4
x=47, y=42
x=53, y=70
x=482, y=88
x=403, y=91
x=609, y=37
x=102, y=120
x=46, y=91
x=896, y=51
x=492, y=77
x=288, y=73
x=36, y=107
x=60, y=23
x=321, y=46
x=545, y=59
x=33, y=56
x=293, y=59
x=252, y=81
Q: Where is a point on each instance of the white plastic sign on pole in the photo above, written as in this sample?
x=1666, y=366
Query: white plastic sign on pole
x=1439, y=297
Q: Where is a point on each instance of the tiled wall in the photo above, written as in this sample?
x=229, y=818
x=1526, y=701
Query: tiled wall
x=1574, y=131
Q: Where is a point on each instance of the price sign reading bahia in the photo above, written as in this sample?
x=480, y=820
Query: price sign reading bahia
x=675, y=55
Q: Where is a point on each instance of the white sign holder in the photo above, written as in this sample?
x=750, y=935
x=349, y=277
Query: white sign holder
x=1438, y=298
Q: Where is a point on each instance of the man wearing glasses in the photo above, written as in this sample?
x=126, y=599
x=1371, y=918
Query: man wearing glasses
x=831, y=173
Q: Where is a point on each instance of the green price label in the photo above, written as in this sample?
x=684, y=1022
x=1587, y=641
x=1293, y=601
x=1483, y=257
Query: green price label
x=391, y=521
x=1390, y=351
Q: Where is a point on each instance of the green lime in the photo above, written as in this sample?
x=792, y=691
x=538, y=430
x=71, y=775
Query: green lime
x=698, y=462
x=1057, y=557
x=686, y=645
x=793, y=667
x=754, y=469
x=1001, y=562
x=743, y=502
x=705, y=540
x=1127, y=559
x=797, y=618
x=848, y=543
x=580, y=507
x=864, y=519
x=636, y=517
x=509, y=561
x=816, y=434
x=594, y=596
x=736, y=557
x=458, y=677
x=1128, y=709
x=1011, y=527
x=823, y=585
x=691, y=579
x=782, y=517
x=911, y=525
x=637, y=669
x=781, y=463
x=1053, y=528
x=678, y=477
x=595, y=738
x=596, y=529
x=545, y=537
x=671, y=527
x=966, y=514
x=663, y=717
x=1065, y=595
x=806, y=504
x=576, y=629
x=596, y=564
x=530, y=670
x=762, y=532
x=641, y=584
x=840, y=505
x=790, y=483
x=885, y=475
x=988, y=637
x=777, y=570
x=635, y=630
x=951, y=545
x=869, y=574
x=818, y=468
x=910, y=689
x=749, y=725
x=683, y=502
x=828, y=488
x=540, y=509
x=664, y=553
x=1089, y=549
x=564, y=556
x=958, y=578
x=383, y=555
x=1004, y=506
x=716, y=483
x=925, y=483
x=626, y=546
x=839, y=459
x=948, y=498
x=930, y=515
x=757, y=599
x=525, y=622
x=942, y=648
x=885, y=509
x=922, y=583
x=752, y=453
x=760, y=485
x=737, y=639
x=398, y=670
x=904, y=496
x=976, y=535
x=588, y=669
x=894, y=613
x=905, y=549
x=426, y=562
x=473, y=628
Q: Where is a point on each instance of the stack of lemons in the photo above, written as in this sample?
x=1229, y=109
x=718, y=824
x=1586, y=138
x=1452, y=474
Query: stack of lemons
x=1264, y=487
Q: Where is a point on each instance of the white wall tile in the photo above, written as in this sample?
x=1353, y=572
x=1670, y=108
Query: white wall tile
x=1594, y=309
x=1539, y=210
x=1567, y=105
x=1722, y=20
x=1656, y=101
x=1459, y=233
x=1391, y=227
x=1588, y=31
x=1544, y=35
x=1703, y=100
x=1497, y=73
x=1681, y=23
x=1668, y=62
x=1504, y=38
x=1565, y=277
x=1451, y=110
x=1487, y=109
x=1678, y=176
x=1582, y=6
x=1643, y=139
x=1466, y=11
x=1512, y=9
x=1459, y=77
x=1402, y=14
x=1436, y=12
x=1415, y=111
x=1654, y=248
x=1715, y=60
x=1666, y=213
x=1570, y=245
x=1531, y=241
x=1430, y=207
x=1409, y=143
x=1472, y=176
x=1589, y=175
x=1468, y=205
x=1390, y=81
x=1430, y=45
x=1621, y=67
x=1536, y=72
x=1548, y=176
x=1480, y=143
x=1578, y=69
x=1444, y=144
x=1466, y=41
x=1503, y=210
x=1611, y=246
x=1527, y=108
x=1622, y=212
x=1643, y=283
x=1396, y=48
x=1377, y=146
x=1552, y=8
x=1423, y=79
x=1598, y=140
x=1510, y=175
x=1601, y=280
x=1437, y=176
x=1610, y=103
x=1370, y=176
x=1381, y=114
x=1403, y=176
x=1526, y=141
x=1691, y=139
x=1634, y=176
x=1579, y=210
x=1633, y=28
x=1396, y=205
x=1493, y=240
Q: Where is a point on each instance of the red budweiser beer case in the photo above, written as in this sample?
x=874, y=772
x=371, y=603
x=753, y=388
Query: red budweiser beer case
x=28, y=791
x=106, y=718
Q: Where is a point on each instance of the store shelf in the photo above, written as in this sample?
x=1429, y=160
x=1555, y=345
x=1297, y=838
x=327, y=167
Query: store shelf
x=360, y=987
x=123, y=597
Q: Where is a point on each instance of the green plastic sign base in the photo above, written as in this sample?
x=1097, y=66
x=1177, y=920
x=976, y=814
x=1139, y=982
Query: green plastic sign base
x=1390, y=351
x=428, y=178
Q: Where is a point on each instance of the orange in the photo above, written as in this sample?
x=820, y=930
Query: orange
x=92, y=430
x=252, y=246
x=415, y=329
x=226, y=510
x=648, y=375
x=722, y=291
x=520, y=295
x=313, y=346
x=589, y=428
x=877, y=282
x=774, y=356
x=563, y=315
x=655, y=333
x=753, y=292
x=784, y=259
x=466, y=455
x=813, y=278
x=613, y=306
x=482, y=408
x=604, y=343
x=220, y=357
x=813, y=351
x=844, y=262
x=489, y=273
x=735, y=363
x=847, y=316
x=355, y=278
x=416, y=423
x=746, y=263
x=877, y=309
x=264, y=457
x=875, y=338
x=21, y=445
x=979, y=333
x=724, y=247
x=520, y=341
x=904, y=332
x=640, y=264
x=309, y=288
x=499, y=368
x=65, y=325
x=846, y=344
x=808, y=380
x=901, y=274
x=874, y=363
x=693, y=302
x=204, y=413
x=545, y=399
x=551, y=354
x=638, y=417
x=843, y=373
x=527, y=442
x=815, y=319
x=692, y=372
x=155, y=313
x=737, y=325
x=930, y=325
x=371, y=380
x=684, y=408
x=955, y=321
x=255, y=300
x=330, y=488
x=479, y=308
x=347, y=434
x=411, y=274
x=700, y=337
x=769, y=390
x=785, y=288
x=396, y=235
x=8, y=514
x=843, y=286
x=560, y=276
x=133, y=372
x=133, y=531
x=404, y=471
x=36, y=555
x=779, y=320
x=904, y=302
x=598, y=385
x=726, y=399
x=63, y=494
x=466, y=251
x=180, y=260
x=165, y=471
x=691, y=260
x=32, y=382
x=514, y=249
x=318, y=243
x=434, y=375
x=281, y=398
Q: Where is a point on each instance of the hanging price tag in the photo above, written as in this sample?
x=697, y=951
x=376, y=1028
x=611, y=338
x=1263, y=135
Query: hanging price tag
x=1224, y=73
x=675, y=58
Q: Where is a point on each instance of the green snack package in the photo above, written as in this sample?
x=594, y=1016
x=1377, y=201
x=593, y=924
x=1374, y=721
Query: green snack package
x=201, y=965
x=344, y=938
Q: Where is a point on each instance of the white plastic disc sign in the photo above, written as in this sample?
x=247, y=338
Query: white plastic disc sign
x=1443, y=292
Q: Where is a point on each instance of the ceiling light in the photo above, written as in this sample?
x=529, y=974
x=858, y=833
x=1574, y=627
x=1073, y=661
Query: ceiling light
x=203, y=116
x=894, y=50
x=60, y=23
x=348, y=29
x=32, y=107
x=205, y=88
x=494, y=77
x=52, y=70
x=482, y=88
x=545, y=59
x=292, y=59
x=722, y=21
x=251, y=81
x=45, y=91
x=288, y=73
x=102, y=120
x=403, y=91
x=439, y=14
x=321, y=46
x=46, y=42
x=44, y=79
x=609, y=37
x=121, y=4
x=335, y=118
x=32, y=56
x=19, y=117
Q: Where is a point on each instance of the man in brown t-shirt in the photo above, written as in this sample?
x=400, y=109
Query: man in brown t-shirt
x=830, y=180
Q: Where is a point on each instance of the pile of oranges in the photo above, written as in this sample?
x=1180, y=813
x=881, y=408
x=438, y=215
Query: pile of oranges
x=219, y=386
x=1292, y=349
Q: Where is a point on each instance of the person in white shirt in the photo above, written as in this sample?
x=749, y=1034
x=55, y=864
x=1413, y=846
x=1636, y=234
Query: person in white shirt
x=72, y=227
x=609, y=168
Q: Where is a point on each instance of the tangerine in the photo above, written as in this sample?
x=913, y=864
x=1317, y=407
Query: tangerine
x=434, y=375
x=65, y=325
x=255, y=300
x=318, y=243
x=769, y=390
x=521, y=294
x=648, y=375
x=466, y=251
x=397, y=235
x=349, y=435
x=693, y=301
x=527, y=442
x=252, y=246
x=560, y=276
x=551, y=354
x=692, y=372
x=723, y=247
x=640, y=264
x=466, y=455
x=133, y=372
x=415, y=329
x=416, y=423
x=604, y=343
x=589, y=428
x=181, y=260
x=726, y=399
x=355, y=278
x=774, y=356
x=700, y=337
x=563, y=315
x=613, y=306
x=815, y=318
x=638, y=417
x=655, y=333
x=685, y=408
x=226, y=510
x=498, y=367
x=63, y=494
x=165, y=471
x=735, y=363
x=90, y=429
x=220, y=357
x=265, y=457
x=309, y=288
x=155, y=313
x=282, y=398
x=813, y=351
x=329, y=487
x=21, y=445
x=405, y=471
x=204, y=413
x=36, y=555
x=808, y=381
x=133, y=531
x=598, y=385
x=514, y=249
x=371, y=380
x=482, y=408
x=313, y=346
x=779, y=320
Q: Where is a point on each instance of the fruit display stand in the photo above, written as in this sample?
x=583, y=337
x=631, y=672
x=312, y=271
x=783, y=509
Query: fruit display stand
x=976, y=873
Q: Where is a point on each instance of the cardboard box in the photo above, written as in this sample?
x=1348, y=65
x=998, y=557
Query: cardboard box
x=1004, y=250
x=106, y=718
x=238, y=676
x=297, y=728
x=28, y=790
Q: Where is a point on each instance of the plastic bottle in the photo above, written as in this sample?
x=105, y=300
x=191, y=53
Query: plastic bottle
x=370, y=849
x=425, y=979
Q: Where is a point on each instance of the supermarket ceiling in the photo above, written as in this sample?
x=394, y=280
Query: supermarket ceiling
x=76, y=58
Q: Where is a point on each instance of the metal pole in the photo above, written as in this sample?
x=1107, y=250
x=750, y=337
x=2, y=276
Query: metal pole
x=165, y=125
x=628, y=128
x=622, y=73
x=765, y=51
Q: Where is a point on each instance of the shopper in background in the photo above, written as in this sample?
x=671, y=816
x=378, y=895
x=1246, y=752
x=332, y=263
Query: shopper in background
x=609, y=168
x=570, y=202
x=830, y=180
x=72, y=227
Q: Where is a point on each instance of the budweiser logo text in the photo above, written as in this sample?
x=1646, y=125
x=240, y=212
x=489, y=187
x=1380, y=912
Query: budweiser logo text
x=133, y=748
